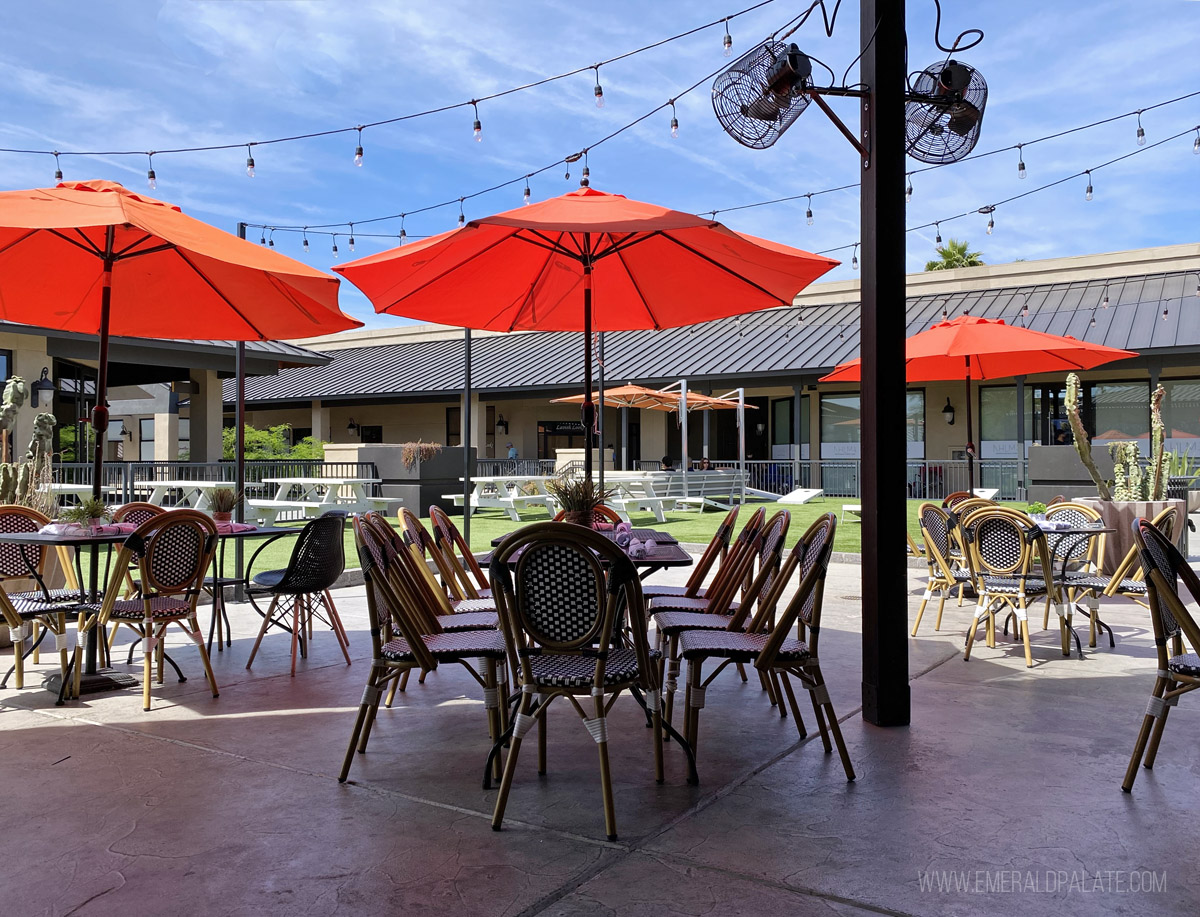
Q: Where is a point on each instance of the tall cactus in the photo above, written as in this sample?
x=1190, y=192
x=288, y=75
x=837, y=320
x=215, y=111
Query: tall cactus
x=1158, y=457
x=1082, y=444
x=27, y=482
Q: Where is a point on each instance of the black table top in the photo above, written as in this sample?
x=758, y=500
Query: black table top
x=85, y=536
x=667, y=554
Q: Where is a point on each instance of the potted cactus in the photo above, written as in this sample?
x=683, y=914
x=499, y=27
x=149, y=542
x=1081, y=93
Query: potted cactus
x=224, y=501
x=1137, y=488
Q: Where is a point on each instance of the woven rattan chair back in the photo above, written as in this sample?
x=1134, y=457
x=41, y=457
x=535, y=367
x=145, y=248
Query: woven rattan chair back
x=452, y=540
x=318, y=557
x=952, y=500
x=999, y=542
x=1163, y=566
x=935, y=532
x=733, y=563
x=404, y=568
x=1081, y=550
x=173, y=551
x=137, y=512
x=1130, y=568
x=809, y=559
x=770, y=552
x=17, y=519
x=717, y=549
x=414, y=532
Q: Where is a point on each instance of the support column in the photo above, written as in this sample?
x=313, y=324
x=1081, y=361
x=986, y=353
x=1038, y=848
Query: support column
x=885, y=690
x=204, y=414
x=320, y=422
x=1020, y=436
x=797, y=394
x=166, y=433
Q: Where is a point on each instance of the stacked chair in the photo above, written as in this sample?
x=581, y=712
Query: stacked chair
x=471, y=578
x=944, y=559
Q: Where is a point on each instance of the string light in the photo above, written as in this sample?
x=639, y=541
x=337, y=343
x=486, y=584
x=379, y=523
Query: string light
x=945, y=314
x=151, y=178
x=991, y=225
x=1025, y=307
x=58, y=166
x=1092, y=324
x=1141, y=131
x=727, y=41
x=808, y=217
x=462, y=219
x=271, y=240
x=908, y=187
x=1104, y=304
x=989, y=210
x=249, y=161
x=598, y=92
x=574, y=157
x=335, y=250
x=477, y=127
x=1195, y=144
x=1087, y=195
x=1020, y=161
x=675, y=124
x=358, y=150
x=403, y=234
x=525, y=196
x=854, y=260
x=1164, y=313
x=351, y=237
x=305, y=232
x=262, y=237
x=937, y=229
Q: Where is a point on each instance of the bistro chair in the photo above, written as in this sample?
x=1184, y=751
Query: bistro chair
x=914, y=549
x=560, y=607
x=944, y=574
x=419, y=537
x=172, y=552
x=772, y=649
x=134, y=514
x=717, y=610
x=467, y=570
x=1003, y=547
x=952, y=500
x=302, y=589
x=1076, y=557
x=600, y=513
x=1178, y=671
x=744, y=537
x=717, y=549
x=32, y=614
x=404, y=636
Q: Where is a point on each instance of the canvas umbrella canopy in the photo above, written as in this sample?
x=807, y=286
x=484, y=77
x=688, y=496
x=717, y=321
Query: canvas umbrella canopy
x=96, y=258
x=586, y=261
x=970, y=347
x=638, y=396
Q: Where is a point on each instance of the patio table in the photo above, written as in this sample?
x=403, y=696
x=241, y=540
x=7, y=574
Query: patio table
x=195, y=495
x=1072, y=536
x=507, y=492
x=318, y=496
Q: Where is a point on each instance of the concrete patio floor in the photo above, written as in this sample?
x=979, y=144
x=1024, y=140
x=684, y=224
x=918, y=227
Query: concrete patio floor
x=1003, y=797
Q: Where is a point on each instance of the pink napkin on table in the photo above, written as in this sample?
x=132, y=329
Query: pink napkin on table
x=232, y=528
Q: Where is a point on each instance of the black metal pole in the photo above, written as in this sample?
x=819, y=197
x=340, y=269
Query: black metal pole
x=1020, y=437
x=100, y=410
x=239, y=449
x=467, y=435
x=885, y=690
x=600, y=412
x=588, y=411
x=970, y=442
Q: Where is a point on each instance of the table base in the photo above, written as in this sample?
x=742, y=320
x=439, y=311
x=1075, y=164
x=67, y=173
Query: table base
x=93, y=684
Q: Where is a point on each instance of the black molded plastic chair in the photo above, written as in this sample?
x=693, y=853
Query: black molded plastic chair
x=318, y=559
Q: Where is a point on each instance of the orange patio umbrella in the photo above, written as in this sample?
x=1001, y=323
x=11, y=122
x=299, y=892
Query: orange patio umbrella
x=639, y=396
x=96, y=258
x=586, y=261
x=970, y=347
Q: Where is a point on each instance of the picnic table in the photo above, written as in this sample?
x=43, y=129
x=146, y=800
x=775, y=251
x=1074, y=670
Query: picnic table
x=507, y=492
x=195, y=495
x=655, y=490
x=311, y=497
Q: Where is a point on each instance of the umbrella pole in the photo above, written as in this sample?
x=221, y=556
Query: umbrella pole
x=588, y=411
x=683, y=435
x=600, y=413
x=100, y=411
x=970, y=444
x=466, y=438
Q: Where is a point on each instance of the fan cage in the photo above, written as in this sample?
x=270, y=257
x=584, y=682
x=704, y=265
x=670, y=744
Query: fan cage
x=749, y=111
x=942, y=125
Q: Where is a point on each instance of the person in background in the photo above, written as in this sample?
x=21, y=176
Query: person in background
x=512, y=452
x=666, y=464
x=704, y=465
x=613, y=451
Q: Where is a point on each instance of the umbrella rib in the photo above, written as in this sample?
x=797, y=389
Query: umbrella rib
x=132, y=245
x=528, y=301
x=552, y=244
x=90, y=246
x=633, y=280
x=626, y=241
x=19, y=240
x=732, y=273
x=199, y=273
x=451, y=269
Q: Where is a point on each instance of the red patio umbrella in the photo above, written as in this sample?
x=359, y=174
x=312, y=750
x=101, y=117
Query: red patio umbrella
x=96, y=258
x=969, y=347
x=536, y=268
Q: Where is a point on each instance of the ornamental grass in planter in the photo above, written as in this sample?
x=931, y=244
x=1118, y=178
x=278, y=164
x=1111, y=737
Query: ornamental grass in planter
x=577, y=497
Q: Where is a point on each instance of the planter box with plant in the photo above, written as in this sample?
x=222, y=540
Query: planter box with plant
x=577, y=497
x=91, y=512
x=224, y=501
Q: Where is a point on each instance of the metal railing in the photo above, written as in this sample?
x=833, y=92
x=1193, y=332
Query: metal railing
x=488, y=468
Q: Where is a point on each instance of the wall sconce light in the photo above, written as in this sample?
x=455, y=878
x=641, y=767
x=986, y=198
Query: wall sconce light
x=353, y=428
x=501, y=425
x=43, y=384
x=125, y=431
x=948, y=412
x=760, y=428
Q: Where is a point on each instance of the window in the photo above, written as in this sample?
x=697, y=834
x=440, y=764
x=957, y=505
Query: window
x=146, y=439
x=841, y=425
x=1119, y=410
x=6, y=370
x=371, y=434
x=300, y=433
x=185, y=439
x=914, y=427
x=1181, y=415
x=454, y=426
x=781, y=422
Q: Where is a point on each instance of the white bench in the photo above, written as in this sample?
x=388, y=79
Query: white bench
x=657, y=492
x=267, y=512
x=509, y=503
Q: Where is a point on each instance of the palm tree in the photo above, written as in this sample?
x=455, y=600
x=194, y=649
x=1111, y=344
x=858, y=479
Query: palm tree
x=952, y=255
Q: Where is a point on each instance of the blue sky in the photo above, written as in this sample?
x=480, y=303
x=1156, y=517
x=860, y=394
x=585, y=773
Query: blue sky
x=151, y=76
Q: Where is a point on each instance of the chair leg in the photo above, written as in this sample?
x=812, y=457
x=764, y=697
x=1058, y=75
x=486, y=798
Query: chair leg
x=741, y=669
x=974, y=631
x=1156, y=737
x=297, y=623
x=198, y=635
x=523, y=724
x=266, y=622
x=921, y=609
x=672, y=676
x=694, y=702
x=834, y=728
x=370, y=701
x=791, y=696
x=1025, y=638
x=1148, y=724
x=147, y=660
x=491, y=702
x=773, y=679
x=601, y=736
x=335, y=621
x=937, y=625
x=542, y=743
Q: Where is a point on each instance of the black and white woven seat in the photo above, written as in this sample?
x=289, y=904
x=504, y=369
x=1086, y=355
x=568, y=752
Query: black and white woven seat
x=469, y=620
x=135, y=609
x=450, y=647
x=669, y=603
x=1171, y=585
x=1013, y=585
x=1125, y=585
x=668, y=622
x=739, y=647
x=464, y=606
x=34, y=603
x=561, y=591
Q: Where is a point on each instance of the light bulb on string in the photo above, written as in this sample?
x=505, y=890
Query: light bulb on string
x=598, y=92
x=727, y=41
x=674, y=122
x=1164, y=313
x=271, y=239
x=358, y=150
x=249, y=161
x=58, y=166
x=1020, y=161
x=990, y=226
x=462, y=219
x=585, y=179
x=1195, y=144
x=938, y=230
x=1025, y=308
x=403, y=234
x=908, y=188
x=477, y=127
x=525, y=195
x=1104, y=304
x=854, y=258
x=351, y=237
x=262, y=236
x=945, y=314
x=1141, y=131
x=335, y=250
x=305, y=234
x=151, y=178
x=1087, y=195
x=808, y=216
x=1092, y=324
